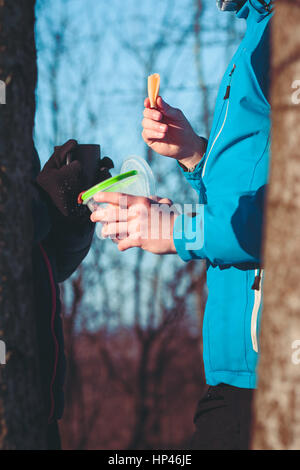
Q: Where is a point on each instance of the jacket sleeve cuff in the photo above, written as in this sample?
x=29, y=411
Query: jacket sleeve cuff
x=188, y=235
x=194, y=178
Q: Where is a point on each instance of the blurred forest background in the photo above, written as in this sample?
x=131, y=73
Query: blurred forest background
x=132, y=320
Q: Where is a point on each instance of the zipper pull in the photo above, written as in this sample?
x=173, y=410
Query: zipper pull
x=256, y=284
x=227, y=94
x=232, y=71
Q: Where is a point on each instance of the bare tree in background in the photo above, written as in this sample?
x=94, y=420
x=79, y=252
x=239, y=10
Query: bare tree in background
x=22, y=418
x=133, y=379
x=170, y=36
x=277, y=404
x=199, y=66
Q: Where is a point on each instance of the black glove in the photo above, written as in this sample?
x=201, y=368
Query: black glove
x=62, y=183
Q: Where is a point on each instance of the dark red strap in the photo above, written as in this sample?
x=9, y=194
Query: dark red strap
x=53, y=312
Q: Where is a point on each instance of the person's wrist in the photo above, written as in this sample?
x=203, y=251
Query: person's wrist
x=172, y=244
x=166, y=240
x=190, y=162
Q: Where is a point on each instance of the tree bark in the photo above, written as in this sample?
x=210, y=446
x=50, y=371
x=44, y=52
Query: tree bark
x=22, y=418
x=277, y=401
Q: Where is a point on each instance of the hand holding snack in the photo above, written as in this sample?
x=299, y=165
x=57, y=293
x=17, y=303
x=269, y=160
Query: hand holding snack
x=167, y=131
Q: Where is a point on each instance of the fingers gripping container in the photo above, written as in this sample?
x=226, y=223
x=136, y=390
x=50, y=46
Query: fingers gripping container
x=136, y=178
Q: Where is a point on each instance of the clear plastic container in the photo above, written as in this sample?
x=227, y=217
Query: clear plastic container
x=145, y=184
x=136, y=178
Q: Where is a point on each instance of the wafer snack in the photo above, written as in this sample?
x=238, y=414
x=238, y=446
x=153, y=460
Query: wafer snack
x=153, y=88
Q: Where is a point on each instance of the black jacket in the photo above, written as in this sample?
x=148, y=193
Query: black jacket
x=58, y=249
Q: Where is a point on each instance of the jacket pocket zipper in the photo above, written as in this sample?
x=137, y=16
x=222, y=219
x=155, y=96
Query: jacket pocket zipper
x=257, y=303
x=226, y=97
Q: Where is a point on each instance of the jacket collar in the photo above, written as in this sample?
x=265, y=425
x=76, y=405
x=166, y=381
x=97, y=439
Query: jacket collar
x=257, y=8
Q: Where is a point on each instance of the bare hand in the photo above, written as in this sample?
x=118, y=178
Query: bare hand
x=167, y=131
x=134, y=221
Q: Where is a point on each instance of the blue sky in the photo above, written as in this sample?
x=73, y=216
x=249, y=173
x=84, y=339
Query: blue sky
x=108, y=110
x=92, y=88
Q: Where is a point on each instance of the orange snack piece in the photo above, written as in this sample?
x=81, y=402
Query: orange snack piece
x=153, y=88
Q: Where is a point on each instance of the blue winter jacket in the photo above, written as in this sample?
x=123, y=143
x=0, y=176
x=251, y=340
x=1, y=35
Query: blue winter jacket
x=231, y=180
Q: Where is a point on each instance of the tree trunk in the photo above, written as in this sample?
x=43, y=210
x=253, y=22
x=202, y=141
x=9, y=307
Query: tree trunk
x=277, y=401
x=22, y=418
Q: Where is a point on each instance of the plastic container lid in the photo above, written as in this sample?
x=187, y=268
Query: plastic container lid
x=137, y=163
x=135, y=172
x=106, y=185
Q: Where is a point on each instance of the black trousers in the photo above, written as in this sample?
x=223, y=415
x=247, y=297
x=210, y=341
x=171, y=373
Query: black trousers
x=223, y=419
x=53, y=437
